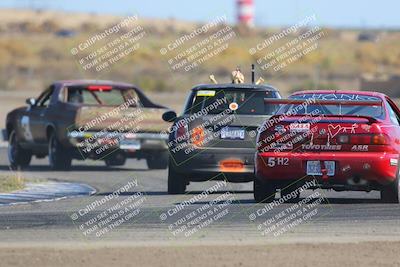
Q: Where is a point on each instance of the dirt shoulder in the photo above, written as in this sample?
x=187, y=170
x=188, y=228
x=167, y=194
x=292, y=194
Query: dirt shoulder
x=322, y=254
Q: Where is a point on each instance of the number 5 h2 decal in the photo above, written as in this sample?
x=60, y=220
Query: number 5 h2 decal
x=272, y=162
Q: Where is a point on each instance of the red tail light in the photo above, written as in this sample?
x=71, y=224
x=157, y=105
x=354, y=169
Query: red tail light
x=181, y=132
x=380, y=139
x=363, y=139
x=99, y=88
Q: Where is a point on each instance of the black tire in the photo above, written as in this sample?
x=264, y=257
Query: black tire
x=391, y=193
x=115, y=159
x=157, y=161
x=263, y=192
x=289, y=190
x=59, y=157
x=176, y=182
x=18, y=157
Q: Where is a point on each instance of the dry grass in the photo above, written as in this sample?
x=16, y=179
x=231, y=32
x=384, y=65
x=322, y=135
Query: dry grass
x=9, y=183
x=31, y=55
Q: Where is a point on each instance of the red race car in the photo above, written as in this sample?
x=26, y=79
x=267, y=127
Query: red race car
x=340, y=140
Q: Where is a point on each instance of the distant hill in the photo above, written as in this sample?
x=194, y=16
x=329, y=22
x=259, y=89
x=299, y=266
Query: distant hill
x=35, y=49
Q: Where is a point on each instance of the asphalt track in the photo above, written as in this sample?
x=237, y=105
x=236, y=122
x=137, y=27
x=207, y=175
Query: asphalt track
x=341, y=217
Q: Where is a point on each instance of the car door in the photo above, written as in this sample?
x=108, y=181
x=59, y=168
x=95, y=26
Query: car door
x=38, y=117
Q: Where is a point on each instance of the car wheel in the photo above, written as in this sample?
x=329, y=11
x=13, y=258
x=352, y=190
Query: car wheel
x=115, y=159
x=17, y=156
x=391, y=193
x=157, y=161
x=176, y=182
x=263, y=192
x=59, y=157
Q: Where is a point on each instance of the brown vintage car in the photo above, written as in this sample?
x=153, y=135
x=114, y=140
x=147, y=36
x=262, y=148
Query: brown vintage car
x=88, y=119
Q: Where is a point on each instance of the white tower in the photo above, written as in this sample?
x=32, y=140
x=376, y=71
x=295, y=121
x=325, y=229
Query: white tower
x=245, y=9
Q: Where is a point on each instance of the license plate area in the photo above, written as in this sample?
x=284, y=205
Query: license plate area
x=233, y=133
x=130, y=144
x=314, y=167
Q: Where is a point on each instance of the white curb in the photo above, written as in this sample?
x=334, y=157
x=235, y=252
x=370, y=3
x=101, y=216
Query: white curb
x=48, y=191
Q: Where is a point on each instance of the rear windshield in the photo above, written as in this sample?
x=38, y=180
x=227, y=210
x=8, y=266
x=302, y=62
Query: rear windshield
x=371, y=111
x=113, y=97
x=242, y=102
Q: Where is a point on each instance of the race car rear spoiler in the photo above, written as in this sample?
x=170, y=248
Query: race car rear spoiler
x=306, y=102
x=322, y=102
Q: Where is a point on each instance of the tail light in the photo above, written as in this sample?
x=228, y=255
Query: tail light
x=99, y=88
x=343, y=139
x=380, y=139
x=197, y=136
x=181, y=132
x=363, y=139
x=360, y=139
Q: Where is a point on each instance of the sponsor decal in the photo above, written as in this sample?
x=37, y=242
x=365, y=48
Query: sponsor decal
x=394, y=162
x=361, y=148
x=281, y=146
x=205, y=93
x=336, y=96
x=336, y=129
x=233, y=106
x=366, y=127
x=299, y=127
x=272, y=162
x=321, y=147
x=26, y=129
x=280, y=129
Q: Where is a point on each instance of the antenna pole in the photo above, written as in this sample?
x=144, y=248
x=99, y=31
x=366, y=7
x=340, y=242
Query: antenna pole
x=252, y=73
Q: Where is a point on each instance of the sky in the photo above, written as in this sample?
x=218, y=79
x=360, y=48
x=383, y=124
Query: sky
x=336, y=13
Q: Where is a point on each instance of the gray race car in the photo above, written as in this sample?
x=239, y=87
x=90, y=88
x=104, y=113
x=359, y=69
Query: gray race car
x=215, y=136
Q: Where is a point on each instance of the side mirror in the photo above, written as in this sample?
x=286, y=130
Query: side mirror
x=30, y=101
x=169, y=116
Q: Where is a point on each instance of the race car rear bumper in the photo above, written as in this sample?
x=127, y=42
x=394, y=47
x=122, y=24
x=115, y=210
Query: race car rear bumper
x=145, y=141
x=353, y=169
x=235, y=165
x=97, y=145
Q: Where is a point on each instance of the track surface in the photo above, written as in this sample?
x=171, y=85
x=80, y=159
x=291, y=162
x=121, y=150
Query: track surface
x=342, y=217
